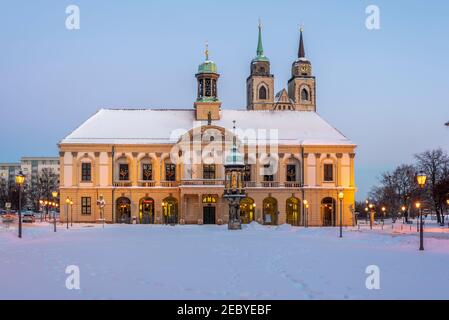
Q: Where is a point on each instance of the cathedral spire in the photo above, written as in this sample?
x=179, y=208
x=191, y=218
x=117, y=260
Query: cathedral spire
x=259, y=42
x=260, y=56
x=301, y=51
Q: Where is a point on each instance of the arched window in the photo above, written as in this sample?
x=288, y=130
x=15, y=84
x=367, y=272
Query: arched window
x=247, y=210
x=262, y=93
x=147, y=170
x=305, y=95
x=170, y=210
x=122, y=169
x=123, y=210
x=292, y=208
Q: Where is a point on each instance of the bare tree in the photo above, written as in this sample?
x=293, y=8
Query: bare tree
x=395, y=190
x=47, y=182
x=434, y=163
x=3, y=192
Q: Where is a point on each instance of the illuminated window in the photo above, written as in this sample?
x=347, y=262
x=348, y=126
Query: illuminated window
x=291, y=172
x=170, y=172
x=86, y=205
x=123, y=172
x=147, y=172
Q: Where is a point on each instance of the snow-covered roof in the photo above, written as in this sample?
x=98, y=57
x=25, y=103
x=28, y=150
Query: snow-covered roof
x=164, y=126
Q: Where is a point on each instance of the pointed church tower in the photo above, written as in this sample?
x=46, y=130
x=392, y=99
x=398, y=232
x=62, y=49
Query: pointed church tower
x=260, y=83
x=207, y=104
x=302, y=86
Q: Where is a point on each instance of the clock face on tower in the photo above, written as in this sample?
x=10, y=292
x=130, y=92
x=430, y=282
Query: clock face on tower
x=305, y=68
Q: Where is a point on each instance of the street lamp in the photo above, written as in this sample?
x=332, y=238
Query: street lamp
x=421, y=179
x=403, y=213
x=447, y=202
x=20, y=180
x=71, y=213
x=306, y=213
x=371, y=218
x=55, y=195
x=341, y=195
x=67, y=203
x=384, y=210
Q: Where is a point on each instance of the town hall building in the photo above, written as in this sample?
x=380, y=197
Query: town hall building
x=165, y=166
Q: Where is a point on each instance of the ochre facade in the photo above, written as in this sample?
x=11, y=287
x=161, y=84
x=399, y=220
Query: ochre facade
x=141, y=183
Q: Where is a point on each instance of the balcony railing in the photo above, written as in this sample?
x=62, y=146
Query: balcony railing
x=290, y=184
x=203, y=182
x=169, y=184
x=269, y=184
x=123, y=183
x=147, y=183
x=250, y=184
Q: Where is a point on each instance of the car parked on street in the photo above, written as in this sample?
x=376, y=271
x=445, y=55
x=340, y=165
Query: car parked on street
x=28, y=217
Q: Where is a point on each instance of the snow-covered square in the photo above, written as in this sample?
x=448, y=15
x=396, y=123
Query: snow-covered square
x=210, y=262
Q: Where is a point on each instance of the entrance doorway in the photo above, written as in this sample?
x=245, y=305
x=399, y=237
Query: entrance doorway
x=328, y=207
x=270, y=211
x=147, y=211
x=209, y=215
x=123, y=207
x=247, y=207
x=170, y=210
x=293, y=211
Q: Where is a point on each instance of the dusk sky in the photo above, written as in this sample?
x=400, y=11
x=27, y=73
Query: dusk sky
x=387, y=89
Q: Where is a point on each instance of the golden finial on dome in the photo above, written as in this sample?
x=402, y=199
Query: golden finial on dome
x=207, y=51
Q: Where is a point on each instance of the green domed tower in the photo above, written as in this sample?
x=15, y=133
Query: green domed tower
x=207, y=104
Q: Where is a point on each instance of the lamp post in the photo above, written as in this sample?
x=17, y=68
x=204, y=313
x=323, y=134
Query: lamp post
x=384, y=210
x=403, y=213
x=341, y=195
x=55, y=195
x=366, y=214
x=447, y=209
x=164, y=212
x=421, y=179
x=371, y=212
x=67, y=203
x=306, y=214
x=71, y=213
x=20, y=180
x=41, y=208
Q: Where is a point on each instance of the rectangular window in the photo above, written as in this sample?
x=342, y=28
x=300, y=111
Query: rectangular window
x=209, y=171
x=147, y=172
x=170, y=172
x=123, y=172
x=86, y=172
x=291, y=173
x=86, y=205
x=328, y=172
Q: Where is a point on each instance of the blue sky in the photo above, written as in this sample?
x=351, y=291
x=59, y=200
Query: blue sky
x=386, y=89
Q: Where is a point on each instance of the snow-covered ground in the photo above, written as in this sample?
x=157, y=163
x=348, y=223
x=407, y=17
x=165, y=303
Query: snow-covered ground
x=210, y=262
